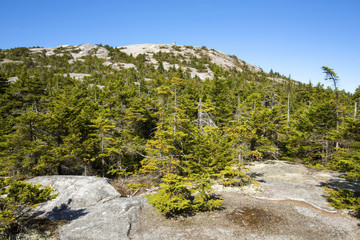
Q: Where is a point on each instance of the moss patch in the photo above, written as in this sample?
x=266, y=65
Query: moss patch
x=253, y=217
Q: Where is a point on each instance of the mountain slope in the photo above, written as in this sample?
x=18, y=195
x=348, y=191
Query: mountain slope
x=152, y=110
x=173, y=55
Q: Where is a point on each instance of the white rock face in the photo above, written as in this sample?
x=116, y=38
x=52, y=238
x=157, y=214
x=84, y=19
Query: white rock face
x=147, y=48
x=90, y=49
x=186, y=52
x=92, y=206
x=13, y=79
x=127, y=65
x=78, y=191
x=78, y=76
x=9, y=61
x=76, y=51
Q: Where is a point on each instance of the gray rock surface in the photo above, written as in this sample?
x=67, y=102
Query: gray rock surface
x=92, y=207
x=110, y=220
x=285, y=181
x=78, y=76
x=289, y=204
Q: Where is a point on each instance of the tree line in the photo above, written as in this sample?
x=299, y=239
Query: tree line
x=148, y=120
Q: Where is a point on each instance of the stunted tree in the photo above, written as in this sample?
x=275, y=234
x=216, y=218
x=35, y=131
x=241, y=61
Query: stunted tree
x=332, y=76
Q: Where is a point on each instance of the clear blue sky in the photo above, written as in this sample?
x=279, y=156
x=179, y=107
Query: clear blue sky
x=289, y=36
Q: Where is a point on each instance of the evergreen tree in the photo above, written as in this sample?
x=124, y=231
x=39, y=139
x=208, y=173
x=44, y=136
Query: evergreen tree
x=4, y=84
x=331, y=75
x=19, y=198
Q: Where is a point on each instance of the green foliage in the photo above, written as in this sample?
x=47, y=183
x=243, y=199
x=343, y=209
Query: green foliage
x=343, y=199
x=136, y=186
x=330, y=74
x=175, y=196
x=4, y=84
x=322, y=117
x=347, y=159
x=211, y=152
x=234, y=176
x=176, y=48
x=18, y=198
x=156, y=120
x=204, y=200
x=18, y=53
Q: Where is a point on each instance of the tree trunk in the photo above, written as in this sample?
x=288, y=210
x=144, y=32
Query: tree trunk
x=175, y=115
x=95, y=94
x=102, y=158
x=240, y=158
x=200, y=115
x=288, y=110
x=337, y=125
x=355, y=111
x=238, y=107
x=326, y=150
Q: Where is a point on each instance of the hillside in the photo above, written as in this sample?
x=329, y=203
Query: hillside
x=184, y=115
x=168, y=55
x=116, y=81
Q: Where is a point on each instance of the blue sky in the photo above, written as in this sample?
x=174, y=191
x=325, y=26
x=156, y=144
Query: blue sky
x=289, y=36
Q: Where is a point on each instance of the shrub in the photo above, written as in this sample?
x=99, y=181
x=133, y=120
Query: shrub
x=176, y=48
x=204, y=200
x=233, y=176
x=174, y=196
x=17, y=199
x=343, y=199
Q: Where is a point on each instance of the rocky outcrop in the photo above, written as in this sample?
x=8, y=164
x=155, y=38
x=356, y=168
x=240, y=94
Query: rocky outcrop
x=77, y=52
x=92, y=208
x=288, y=202
x=186, y=52
x=285, y=181
x=148, y=50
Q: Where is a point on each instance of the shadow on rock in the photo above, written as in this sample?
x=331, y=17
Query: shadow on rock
x=64, y=213
x=343, y=183
x=255, y=175
x=345, y=196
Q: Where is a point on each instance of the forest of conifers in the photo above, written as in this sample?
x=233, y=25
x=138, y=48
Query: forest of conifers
x=142, y=120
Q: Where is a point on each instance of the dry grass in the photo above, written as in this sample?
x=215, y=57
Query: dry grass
x=38, y=228
x=135, y=185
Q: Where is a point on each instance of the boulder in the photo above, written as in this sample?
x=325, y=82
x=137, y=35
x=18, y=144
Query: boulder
x=92, y=208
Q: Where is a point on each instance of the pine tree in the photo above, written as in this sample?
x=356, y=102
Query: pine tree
x=4, y=84
x=19, y=198
x=211, y=152
x=331, y=75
